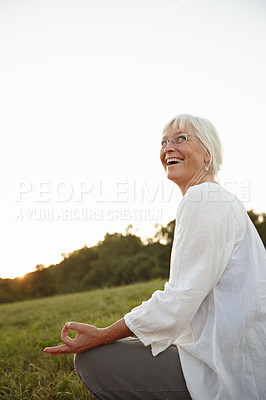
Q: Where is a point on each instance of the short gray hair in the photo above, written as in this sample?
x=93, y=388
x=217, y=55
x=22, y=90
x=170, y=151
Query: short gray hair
x=207, y=134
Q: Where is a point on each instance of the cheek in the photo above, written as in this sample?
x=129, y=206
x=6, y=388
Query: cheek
x=196, y=156
x=162, y=157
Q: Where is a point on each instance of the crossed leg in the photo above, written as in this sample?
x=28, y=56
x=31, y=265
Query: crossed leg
x=126, y=370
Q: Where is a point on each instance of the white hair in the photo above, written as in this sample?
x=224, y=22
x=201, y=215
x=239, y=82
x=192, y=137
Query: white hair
x=206, y=133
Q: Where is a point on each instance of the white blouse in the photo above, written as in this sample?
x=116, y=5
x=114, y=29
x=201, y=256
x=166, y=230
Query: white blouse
x=214, y=305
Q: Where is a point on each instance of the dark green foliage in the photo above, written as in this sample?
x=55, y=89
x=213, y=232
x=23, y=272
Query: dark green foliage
x=122, y=260
x=117, y=260
x=166, y=233
x=259, y=220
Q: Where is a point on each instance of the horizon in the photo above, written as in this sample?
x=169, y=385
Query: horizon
x=128, y=229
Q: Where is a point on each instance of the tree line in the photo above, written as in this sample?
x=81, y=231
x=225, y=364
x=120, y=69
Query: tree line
x=117, y=260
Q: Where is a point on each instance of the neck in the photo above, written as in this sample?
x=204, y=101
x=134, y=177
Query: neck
x=201, y=177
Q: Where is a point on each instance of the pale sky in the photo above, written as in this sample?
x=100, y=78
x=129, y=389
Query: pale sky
x=86, y=88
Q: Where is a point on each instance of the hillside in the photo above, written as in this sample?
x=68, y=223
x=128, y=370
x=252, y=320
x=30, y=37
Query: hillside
x=29, y=326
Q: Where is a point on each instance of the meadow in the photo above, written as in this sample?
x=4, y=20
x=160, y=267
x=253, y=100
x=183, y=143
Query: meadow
x=29, y=326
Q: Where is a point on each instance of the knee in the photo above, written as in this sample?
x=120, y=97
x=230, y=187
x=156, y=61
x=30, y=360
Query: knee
x=85, y=363
x=86, y=367
x=79, y=363
x=76, y=361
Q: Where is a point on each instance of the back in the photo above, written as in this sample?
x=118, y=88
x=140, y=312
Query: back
x=226, y=343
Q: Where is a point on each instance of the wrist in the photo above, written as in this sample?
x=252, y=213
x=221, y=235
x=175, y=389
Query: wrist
x=116, y=331
x=105, y=336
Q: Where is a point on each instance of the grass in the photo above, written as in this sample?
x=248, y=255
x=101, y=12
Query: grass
x=29, y=326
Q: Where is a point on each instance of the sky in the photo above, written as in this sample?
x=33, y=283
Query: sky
x=86, y=88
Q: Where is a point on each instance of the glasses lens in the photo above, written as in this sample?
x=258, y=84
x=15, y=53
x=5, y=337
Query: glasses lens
x=164, y=143
x=180, y=138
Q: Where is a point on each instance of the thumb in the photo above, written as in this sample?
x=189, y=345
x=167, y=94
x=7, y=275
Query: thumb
x=64, y=333
x=74, y=326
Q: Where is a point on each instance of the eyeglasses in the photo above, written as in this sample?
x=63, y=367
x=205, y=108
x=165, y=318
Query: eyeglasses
x=176, y=141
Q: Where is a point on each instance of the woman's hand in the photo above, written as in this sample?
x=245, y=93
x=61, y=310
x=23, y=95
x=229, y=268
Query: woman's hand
x=88, y=337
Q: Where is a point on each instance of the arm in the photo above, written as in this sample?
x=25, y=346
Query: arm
x=204, y=240
x=88, y=337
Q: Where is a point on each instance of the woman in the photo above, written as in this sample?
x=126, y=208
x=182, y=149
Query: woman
x=207, y=328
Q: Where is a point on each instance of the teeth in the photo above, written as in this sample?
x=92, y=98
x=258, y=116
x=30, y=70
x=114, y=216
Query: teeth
x=174, y=159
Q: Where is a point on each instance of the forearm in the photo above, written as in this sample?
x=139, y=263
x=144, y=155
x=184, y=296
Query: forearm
x=116, y=331
x=89, y=337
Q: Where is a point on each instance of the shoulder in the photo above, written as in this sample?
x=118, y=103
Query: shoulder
x=208, y=200
x=209, y=192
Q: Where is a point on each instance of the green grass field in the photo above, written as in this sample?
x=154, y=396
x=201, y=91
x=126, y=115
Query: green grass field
x=29, y=326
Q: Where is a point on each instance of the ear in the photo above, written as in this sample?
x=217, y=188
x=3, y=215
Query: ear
x=207, y=157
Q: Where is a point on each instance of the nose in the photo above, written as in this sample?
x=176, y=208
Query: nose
x=169, y=146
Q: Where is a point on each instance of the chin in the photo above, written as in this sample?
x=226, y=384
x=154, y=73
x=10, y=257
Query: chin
x=171, y=174
x=173, y=178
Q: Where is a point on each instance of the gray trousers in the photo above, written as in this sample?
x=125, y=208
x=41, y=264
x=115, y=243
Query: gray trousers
x=126, y=370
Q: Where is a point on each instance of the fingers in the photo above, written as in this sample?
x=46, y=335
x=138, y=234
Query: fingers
x=64, y=330
x=76, y=326
x=57, y=350
x=70, y=345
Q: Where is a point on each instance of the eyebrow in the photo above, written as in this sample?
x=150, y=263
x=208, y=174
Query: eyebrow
x=176, y=133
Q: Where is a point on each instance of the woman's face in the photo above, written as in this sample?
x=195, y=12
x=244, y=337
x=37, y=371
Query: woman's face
x=184, y=163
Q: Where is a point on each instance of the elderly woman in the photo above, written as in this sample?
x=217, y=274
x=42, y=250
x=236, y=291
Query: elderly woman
x=204, y=336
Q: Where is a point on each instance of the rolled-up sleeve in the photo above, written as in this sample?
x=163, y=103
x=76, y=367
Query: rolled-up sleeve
x=203, y=242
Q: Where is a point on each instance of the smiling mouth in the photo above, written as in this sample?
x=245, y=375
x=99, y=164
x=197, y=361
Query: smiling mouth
x=173, y=161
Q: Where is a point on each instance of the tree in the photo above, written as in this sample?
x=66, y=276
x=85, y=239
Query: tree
x=118, y=259
x=165, y=234
x=259, y=220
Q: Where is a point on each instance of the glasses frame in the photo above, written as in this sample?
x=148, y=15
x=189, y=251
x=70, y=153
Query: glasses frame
x=173, y=140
